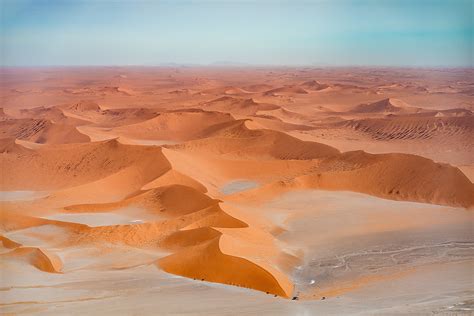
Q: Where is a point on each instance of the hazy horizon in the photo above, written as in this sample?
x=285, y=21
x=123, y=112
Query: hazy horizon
x=264, y=33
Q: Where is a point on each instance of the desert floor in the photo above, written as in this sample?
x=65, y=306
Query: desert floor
x=217, y=191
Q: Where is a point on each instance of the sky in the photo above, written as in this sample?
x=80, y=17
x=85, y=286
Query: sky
x=422, y=33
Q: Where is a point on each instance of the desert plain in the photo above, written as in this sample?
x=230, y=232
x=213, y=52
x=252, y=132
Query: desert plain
x=239, y=190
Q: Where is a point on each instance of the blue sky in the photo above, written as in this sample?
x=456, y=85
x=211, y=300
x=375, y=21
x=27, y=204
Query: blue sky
x=332, y=33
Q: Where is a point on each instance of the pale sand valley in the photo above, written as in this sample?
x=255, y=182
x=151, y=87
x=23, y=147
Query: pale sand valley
x=225, y=191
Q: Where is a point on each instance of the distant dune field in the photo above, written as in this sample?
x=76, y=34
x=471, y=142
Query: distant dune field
x=255, y=190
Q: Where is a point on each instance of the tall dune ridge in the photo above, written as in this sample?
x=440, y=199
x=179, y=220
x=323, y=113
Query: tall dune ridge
x=238, y=106
x=222, y=268
x=38, y=258
x=392, y=176
x=314, y=85
x=388, y=105
x=286, y=90
x=261, y=191
x=414, y=127
x=174, y=126
x=230, y=140
x=42, y=131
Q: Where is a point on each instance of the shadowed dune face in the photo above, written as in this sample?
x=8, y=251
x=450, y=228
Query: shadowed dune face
x=304, y=183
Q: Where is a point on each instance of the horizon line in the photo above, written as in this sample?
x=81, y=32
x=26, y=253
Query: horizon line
x=189, y=65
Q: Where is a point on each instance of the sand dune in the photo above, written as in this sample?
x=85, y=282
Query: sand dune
x=238, y=106
x=9, y=146
x=166, y=200
x=314, y=85
x=8, y=243
x=385, y=106
x=180, y=92
x=173, y=176
x=53, y=114
x=261, y=87
x=227, y=90
x=63, y=166
x=188, y=231
x=235, y=139
x=286, y=90
x=263, y=121
x=41, y=131
x=83, y=106
x=390, y=176
x=174, y=126
x=405, y=128
x=91, y=112
x=454, y=112
x=117, y=117
x=37, y=257
x=209, y=263
x=106, y=90
x=190, y=237
x=285, y=115
x=405, y=177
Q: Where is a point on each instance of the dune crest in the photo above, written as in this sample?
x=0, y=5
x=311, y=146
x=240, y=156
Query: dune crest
x=174, y=126
x=388, y=105
x=42, y=131
x=235, y=139
x=41, y=259
x=238, y=106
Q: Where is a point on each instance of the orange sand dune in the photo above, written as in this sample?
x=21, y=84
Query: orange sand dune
x=207, y=262
x=90, y=111
x=40, y=258
x=12, y=221
x=165, y=200
x=396, y=176
x=8, y=243
x=230, y=90
x=198, y=211
x=196, y=214
x=175, y=177
x=157, y=233
x=53, y=114
x=391, y=176
x=236, y=139
x=285, y=115
x=404, y=128
x=238, y=106
x=213, y=171
x=83, y=106
x=385, y=106
x=286, y=90
x=175, y=126
x=314, y=85
x=63, y=166
x=9, y=146
x=41, y=131
x=258, y=87
x=454, y=112
x=274, y=123
x=189, y=237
